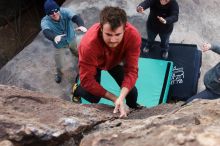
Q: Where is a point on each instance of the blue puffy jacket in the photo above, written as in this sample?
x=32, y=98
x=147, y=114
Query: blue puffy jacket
x=212, y=77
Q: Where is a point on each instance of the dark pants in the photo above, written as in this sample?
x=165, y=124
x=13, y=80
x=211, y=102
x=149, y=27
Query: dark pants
x=205, y=94
x=118, y=74
x=164, y=37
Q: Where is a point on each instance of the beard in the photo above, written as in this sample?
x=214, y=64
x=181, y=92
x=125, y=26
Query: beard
x=112, y=45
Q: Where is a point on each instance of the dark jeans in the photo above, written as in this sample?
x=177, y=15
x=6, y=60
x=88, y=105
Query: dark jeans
x=164, y=37
x=205, y=94
x=118, y=74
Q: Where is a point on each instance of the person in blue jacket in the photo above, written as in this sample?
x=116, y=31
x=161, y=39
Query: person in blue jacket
x=211, y=78
x=163, y=15
x=58, y=27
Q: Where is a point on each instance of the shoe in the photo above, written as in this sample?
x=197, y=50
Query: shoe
x=75, y=99
x=146, y=50
x=58, y=77
x=164, y=55
x=138, y=106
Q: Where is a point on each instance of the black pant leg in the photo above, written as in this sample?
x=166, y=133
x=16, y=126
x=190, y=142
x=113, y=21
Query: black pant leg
x=205, y=94
x=81, y=92
x=131, y=98
x=118, y=74
x=165, y=37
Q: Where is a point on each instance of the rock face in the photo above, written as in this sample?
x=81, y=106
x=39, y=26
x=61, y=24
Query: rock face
x=34, y=68
x=29, y=117
x=196, y=124
x=14, y=16
x=33, y=118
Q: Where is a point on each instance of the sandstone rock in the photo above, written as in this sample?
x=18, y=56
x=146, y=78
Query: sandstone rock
x=179, y=127
x=34, y=118
x=6, y=143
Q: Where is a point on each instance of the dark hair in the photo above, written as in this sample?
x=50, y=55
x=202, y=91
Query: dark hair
x=115, y=16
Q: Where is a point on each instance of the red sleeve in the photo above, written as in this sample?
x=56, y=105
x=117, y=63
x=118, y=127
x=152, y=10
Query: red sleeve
x=88, y=71
x=131, y=60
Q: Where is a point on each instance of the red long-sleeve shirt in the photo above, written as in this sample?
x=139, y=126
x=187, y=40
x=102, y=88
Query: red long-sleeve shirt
x=94, y=53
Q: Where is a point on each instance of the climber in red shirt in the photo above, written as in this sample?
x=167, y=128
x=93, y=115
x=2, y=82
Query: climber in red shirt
x=112, y=45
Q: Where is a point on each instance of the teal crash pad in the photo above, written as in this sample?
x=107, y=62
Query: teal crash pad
x=153, y=82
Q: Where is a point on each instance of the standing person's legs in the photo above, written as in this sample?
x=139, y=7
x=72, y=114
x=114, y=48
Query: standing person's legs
x=58, y=61
x=73, y=48
x=81, y=92
x=74, y=51
x=165, y=37
x=118, y=74
x=151, y=35
x=205, y=94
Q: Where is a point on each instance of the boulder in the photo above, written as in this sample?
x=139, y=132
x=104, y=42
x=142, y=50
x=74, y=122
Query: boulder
x=33, y=118
x=195, y=124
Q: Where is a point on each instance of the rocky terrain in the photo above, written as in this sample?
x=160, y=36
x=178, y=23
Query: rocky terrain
x=36, y=119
